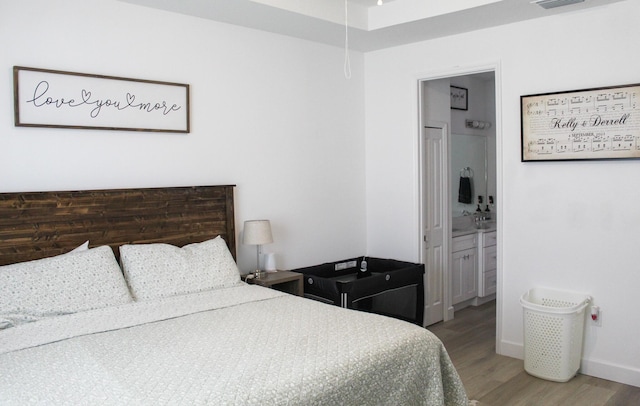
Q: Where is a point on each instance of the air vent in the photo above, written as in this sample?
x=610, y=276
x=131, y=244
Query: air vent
x=555, y=3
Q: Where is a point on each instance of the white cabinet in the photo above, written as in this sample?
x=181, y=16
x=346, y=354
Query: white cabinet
x=487, y=264
x=464, y=268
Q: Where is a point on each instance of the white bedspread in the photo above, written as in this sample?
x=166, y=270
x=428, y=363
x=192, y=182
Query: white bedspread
x=245, y=345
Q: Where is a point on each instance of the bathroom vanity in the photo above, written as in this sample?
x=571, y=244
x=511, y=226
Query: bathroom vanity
x=473, y=267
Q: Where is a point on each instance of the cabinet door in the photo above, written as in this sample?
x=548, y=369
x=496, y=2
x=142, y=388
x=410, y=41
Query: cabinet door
x=470, y=275
x=490, y=259
x=487, y=264
x=490, y=283
x=464, y=276
x=458, y=259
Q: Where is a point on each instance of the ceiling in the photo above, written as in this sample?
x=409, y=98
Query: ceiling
x=371, y=27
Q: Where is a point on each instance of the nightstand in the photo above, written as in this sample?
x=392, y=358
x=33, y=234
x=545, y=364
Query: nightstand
x=284, y=281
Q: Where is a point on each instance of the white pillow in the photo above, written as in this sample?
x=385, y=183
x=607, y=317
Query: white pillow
x=83, y=247
x=67, y=283
x=162, y=270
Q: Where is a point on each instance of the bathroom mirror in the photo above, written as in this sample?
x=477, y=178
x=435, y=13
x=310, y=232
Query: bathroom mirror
x=469, y=151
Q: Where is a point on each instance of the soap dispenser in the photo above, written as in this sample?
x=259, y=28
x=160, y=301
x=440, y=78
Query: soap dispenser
x=487, y=210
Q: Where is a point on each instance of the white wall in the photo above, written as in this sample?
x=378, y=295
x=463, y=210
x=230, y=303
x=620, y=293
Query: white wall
x=566, y=225
x=271, y=114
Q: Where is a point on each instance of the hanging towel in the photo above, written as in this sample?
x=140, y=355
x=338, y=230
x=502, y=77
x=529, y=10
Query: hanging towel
x=464, y=192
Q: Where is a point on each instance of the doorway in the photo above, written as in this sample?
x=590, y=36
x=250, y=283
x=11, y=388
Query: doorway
x=435, y=107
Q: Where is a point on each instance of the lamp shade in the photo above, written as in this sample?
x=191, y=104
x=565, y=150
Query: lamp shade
x=257, y=232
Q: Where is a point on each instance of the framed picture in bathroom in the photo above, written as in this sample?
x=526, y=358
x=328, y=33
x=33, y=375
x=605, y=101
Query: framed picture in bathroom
x=459, y=98
x=598, y=123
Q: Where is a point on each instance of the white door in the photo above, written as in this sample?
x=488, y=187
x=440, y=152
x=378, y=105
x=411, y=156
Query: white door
x=434, y=221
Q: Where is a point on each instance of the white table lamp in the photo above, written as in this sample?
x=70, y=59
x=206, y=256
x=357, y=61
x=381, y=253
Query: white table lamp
x=257, y=232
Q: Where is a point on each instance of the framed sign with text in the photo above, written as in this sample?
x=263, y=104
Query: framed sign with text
x=58, y=99
x=600, y=123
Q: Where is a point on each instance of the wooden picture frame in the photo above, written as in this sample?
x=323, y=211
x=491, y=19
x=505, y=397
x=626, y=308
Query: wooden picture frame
x=59, y=99
x=459, y=98
x=597, y=123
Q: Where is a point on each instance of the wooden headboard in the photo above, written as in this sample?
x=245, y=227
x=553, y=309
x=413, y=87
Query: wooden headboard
x=42, y=224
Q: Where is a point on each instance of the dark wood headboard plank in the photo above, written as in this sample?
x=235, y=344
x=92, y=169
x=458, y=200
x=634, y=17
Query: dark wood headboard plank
x=40, y=224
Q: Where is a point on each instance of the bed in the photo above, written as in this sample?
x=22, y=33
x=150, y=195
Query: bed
x=152, y=311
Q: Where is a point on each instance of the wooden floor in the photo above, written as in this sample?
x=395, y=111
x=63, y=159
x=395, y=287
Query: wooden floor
x=495, y=380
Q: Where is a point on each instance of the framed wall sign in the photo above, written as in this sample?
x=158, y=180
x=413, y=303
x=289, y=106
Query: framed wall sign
x=58, y=99
x=599, y=123
x=459, y=98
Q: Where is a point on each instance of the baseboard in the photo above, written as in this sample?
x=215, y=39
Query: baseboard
x=450, y=313
x=611, y=372
x=510, y=349
x=479, y=301
x=596, y=368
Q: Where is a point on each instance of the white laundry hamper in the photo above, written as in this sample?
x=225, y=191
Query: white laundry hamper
x=553, y=333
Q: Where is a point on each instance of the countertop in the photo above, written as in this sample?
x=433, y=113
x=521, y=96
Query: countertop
x=488, y=227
